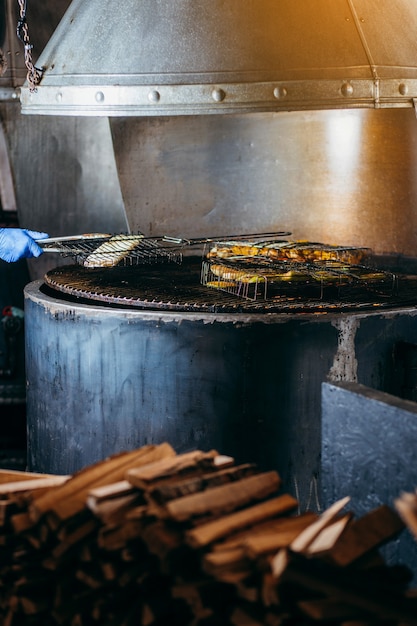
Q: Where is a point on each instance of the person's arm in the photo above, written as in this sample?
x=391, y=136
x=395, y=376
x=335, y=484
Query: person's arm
x=19, y=243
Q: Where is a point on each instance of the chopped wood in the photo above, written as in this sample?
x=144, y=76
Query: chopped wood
x=161, y=540
x=21, y=522
x=406, y=506
x=118, y=537
x=259, y=545
x=152, y=537
x=114, y=510
x=7, y=509
x=305, y=538
x=333, y=582
x=181, y=464
x=68, y=540
x=328, y=537
x=225, y=498
x=177, y=488
x=71, y=497
x=365, y=534
x=113, y=490
x=270, y=527
x=31, y=484
x=212, y=531
x=12, y=476
x=191, y=593
x=225, y=558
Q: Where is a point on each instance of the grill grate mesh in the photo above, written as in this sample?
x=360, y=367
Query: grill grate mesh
x=178, y=288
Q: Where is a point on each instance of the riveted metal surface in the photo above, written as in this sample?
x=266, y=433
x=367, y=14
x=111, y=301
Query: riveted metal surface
x=169, y=57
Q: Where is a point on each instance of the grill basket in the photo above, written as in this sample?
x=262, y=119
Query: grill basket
x=262, y=271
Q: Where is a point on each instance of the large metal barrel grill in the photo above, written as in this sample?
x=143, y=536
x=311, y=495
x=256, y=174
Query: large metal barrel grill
x=122, y=356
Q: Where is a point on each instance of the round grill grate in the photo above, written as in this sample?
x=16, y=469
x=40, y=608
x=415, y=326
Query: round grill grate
x=178, y=288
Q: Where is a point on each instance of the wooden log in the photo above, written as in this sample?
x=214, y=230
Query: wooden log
x=366, y=534
x=358, y=591
x=217, y=561
x=328, y=537
x=214, y=530
x=178, y=488
x=304, y=539
x=118, y=538
x=31, y=484
x=114, y=510
x=406, y=506
x=232, y=572
x=70, y=539
x=107, y=492
x=7, y=509
x=192, y=595
x=160, y=539
x=260, y=545
x=265, y=528
x=21, y=522
x=225, y=498
x=182, y=464
x=12, y=476
x=70, y=498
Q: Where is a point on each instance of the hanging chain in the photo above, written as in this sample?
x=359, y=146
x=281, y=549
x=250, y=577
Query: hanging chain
x=34, y=74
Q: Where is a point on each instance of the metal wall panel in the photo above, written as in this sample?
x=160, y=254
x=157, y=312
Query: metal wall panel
x=344, y=177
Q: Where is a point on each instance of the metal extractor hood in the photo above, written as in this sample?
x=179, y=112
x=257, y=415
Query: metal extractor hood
x=181, y=57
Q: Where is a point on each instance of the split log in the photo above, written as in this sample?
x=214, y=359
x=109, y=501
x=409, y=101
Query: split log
x=71, y=497
x=358, y=591
x=225, y=498
x=366, y=534
x=302, y=542
x=217, y=529
x=406, y=506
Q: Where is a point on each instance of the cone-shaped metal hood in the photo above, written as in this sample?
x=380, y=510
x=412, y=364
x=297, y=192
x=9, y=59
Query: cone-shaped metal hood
x=173, y=57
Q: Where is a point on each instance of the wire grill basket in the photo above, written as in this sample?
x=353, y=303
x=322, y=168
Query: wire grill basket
x=105, y=250
x=261, y=277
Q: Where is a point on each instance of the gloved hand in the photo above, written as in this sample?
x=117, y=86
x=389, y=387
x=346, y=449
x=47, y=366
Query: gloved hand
x=19, y=243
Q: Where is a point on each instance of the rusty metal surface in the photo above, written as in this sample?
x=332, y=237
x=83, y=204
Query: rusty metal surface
x=174, y=287
x=165, y=57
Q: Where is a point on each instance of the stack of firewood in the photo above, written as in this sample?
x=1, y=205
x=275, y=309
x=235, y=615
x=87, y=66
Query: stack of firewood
x=153, y=538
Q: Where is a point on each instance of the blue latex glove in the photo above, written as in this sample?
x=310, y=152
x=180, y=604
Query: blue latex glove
x=19, y=243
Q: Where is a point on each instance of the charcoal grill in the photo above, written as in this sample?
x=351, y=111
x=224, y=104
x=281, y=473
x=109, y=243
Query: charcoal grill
x=178, y=288
x=117, y=366
x=122, y=357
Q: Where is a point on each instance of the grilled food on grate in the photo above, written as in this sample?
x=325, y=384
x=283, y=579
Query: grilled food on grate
x=301, y=251
x=112, y=251
x=259, y=270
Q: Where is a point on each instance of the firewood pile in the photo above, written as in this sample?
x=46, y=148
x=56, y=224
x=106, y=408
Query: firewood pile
x=154, y=538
